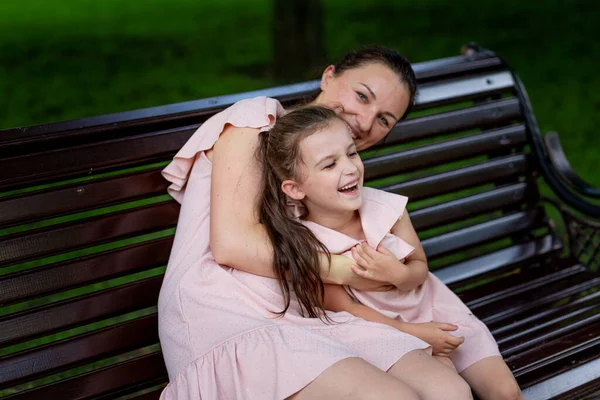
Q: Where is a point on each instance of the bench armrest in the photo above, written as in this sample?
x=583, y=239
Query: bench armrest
x=560, y=163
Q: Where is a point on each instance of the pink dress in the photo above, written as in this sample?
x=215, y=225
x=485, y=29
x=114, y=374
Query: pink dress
x=219, y=337
x=432, y=301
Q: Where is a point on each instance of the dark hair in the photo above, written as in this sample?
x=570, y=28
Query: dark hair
x=382, y=55
x=295, y=248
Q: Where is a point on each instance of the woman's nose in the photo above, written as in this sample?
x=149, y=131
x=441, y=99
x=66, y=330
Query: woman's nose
x=365, y=120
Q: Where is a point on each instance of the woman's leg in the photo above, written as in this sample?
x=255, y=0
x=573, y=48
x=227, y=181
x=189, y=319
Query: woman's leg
x=491, y=379
x=354, y=378
x=430, y=378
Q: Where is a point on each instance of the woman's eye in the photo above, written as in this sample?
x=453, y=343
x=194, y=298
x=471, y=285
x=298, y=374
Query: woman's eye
x=329, y=166
x=362, y=97
x=353, y=154
x=384, y=121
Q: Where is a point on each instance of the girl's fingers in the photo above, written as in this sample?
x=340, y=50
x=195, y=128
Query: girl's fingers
x=359, y=258
x=359, y=271
x=446, y=327
x=368, y=250
x=455, y=341
x=360, y=249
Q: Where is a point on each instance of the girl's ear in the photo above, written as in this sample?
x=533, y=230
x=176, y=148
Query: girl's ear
x=327, y=75
x=292, y=189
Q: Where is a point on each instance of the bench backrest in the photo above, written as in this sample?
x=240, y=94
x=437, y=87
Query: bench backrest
x=86, y=226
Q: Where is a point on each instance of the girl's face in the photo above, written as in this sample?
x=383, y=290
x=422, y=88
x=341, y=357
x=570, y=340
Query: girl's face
x=371, y=99
x=331, y=172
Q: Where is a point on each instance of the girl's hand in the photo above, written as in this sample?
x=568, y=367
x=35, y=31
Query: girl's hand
x=341, y=273
x=379, y=265
x=436, y=334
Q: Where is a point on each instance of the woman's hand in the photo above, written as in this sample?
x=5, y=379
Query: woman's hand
x=436, y=334
x=341, y=273
x=379, y=265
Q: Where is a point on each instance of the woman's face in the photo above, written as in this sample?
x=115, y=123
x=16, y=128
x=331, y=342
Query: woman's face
x=371, y=99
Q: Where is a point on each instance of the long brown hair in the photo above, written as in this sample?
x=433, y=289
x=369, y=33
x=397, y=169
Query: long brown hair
x=295, y=247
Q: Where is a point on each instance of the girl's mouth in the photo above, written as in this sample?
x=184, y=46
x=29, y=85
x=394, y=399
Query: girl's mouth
x=349, y=189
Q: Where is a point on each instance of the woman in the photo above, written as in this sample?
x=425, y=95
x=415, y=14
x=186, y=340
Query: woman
x=218, y=323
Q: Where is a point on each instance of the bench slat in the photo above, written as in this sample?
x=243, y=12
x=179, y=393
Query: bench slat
x=127, y=376
x=520, y=304
x=550, y=359
x=470, y=206
x=79, y=311
x=461, y=89
x=543, y=316
x=525, y=279
x=496, y=169
x=550, y=330
x=108, y=155
x=443, y=152
x=87, y=232
x=497, y=112
x=481, y=233
x=502, y=260
x=83, y=271
x=80, y=196
x=69, y=353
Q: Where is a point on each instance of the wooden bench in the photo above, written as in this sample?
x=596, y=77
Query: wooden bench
x=86, y=228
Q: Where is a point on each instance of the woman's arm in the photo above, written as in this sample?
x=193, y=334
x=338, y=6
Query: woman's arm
x=237, y=239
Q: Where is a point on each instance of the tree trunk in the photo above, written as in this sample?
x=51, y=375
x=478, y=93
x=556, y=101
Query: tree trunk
x=297, y=34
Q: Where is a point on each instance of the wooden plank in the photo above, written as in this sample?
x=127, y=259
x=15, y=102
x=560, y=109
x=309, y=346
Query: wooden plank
x=500, y=260
x=125, y=376
x=81, y=196
x=70, y=353
x=78, y=311
x=87, y=232
x=83, y=271
x=493, y=113
x=443, y=152
x=502, y=168
x=519, y=303
x=557, y=356
x=470, y=206
x=481, y=233
x=568, y=385
x=66, y=162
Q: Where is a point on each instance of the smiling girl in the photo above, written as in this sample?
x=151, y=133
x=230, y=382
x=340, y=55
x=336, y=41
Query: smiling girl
x=310, y=159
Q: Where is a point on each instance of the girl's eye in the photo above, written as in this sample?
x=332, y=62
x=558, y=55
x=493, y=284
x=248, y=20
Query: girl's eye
x=362, y=97
x=353, y=154
x=384, y=121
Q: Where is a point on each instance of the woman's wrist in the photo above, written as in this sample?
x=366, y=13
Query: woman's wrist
x=337, y=271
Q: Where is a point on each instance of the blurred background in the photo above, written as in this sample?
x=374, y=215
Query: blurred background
x=68, y=59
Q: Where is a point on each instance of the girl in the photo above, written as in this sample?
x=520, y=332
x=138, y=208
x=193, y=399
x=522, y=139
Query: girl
x=309, y=157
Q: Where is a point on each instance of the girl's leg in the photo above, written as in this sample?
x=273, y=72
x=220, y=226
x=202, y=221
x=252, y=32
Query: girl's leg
x=354, y=378
x=491, y=379
x=430, y=378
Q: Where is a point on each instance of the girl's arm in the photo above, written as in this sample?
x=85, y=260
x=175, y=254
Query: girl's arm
x=434, y=333
x=237, y=239
x=416, y=271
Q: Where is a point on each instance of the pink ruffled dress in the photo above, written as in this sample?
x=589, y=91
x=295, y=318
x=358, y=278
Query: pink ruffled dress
x=219, y=337
x=432, y=301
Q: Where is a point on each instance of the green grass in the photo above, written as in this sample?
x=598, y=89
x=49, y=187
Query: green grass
x=74, y=58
